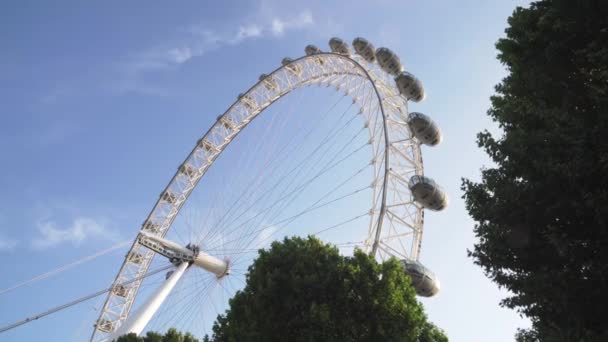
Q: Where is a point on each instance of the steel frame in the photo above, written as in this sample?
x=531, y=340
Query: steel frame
x=396, y=222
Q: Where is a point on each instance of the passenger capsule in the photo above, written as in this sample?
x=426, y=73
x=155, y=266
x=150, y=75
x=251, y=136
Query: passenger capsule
x=389, y=61
x=424, y=129
x=269, y=83
x=410, y=87
x=337, y=45
x=311, y=50
x=295, y=69
x=424, y=280
x=426, y=192
x=364, y=49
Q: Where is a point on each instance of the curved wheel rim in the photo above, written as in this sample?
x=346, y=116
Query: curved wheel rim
x=394, y=217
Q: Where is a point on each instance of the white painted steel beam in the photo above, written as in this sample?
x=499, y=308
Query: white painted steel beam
x=137, y=322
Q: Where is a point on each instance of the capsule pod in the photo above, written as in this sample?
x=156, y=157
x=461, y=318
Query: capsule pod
x=389, y=61
x=426, y=192
x=364, y=49
x=424, y=129
x=337, y=45
x=295, y=69
x=311, y=50
x=269, y=82
x=410, y=86
x=424, y=280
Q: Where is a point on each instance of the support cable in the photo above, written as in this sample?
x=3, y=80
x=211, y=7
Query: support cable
x=78, y=301
x=65, y=267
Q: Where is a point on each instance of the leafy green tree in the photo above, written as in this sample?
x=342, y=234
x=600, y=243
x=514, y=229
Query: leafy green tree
x=132, y=337
x=303, y=290
x=528, y=335
x=152, y=336
x=542, y=211
x=172, y=335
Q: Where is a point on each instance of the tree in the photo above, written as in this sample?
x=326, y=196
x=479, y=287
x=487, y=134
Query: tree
x=542, y=212
x=303, y=290
x=172, y=335
x=132, y=337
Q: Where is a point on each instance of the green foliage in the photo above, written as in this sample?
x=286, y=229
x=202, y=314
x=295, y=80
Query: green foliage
x=172, y=335
x=303, y=290
x=542, y=211
x=526, y=336
x=132, y=337
x=430, y=333
x=153, y=337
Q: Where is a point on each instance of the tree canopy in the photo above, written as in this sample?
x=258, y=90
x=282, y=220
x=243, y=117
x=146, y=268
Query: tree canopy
x=172, y=335
x=542, y=211
x=303, y=290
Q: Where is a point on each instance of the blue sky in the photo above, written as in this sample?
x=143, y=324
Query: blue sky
x=100, y=102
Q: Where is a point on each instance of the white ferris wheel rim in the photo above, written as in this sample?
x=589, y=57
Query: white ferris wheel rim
x=329, y=67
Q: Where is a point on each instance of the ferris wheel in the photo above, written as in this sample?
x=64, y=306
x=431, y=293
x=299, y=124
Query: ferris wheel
x=285, y=173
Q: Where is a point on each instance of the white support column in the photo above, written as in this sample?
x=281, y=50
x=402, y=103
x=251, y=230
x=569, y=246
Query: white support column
x=137, y=322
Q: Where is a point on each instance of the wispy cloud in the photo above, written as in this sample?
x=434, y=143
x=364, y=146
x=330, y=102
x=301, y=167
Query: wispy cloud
x=80, y=230
x=279, y=25
x=249, y=31
x=199, y=40
x=137, y=71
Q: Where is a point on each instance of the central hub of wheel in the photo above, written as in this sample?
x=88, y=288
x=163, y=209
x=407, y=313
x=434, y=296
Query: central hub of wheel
x=178, y=254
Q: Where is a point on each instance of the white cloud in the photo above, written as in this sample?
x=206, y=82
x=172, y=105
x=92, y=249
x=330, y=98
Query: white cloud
x=130, y=74
x=180, y=55
x=279, y=26
x=249, y=31
x=80, y=230
x=196, y=41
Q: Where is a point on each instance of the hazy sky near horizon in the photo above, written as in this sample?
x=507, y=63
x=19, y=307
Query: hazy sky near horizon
x=101, y=101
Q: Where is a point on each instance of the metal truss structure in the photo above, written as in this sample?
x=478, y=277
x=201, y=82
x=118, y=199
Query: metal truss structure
x=395, y=220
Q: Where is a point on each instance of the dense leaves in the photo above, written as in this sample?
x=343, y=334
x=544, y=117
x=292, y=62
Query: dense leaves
x=171, y=335
x=303, y=290
x=542, y=211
